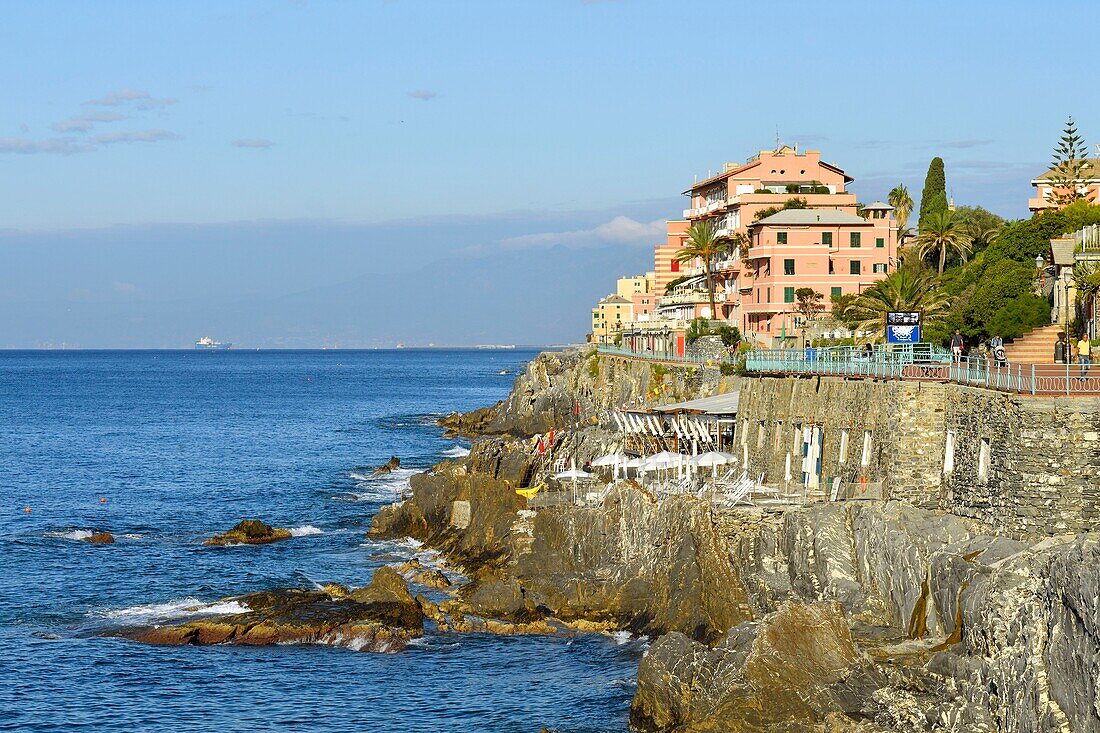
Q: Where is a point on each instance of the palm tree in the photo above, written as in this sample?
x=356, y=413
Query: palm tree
x=704, y=244
x=902, y=202
x=909, y=288
x=982, y=236
x=942, y=234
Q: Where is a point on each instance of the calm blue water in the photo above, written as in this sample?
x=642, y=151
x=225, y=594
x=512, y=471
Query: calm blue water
x=185, y=444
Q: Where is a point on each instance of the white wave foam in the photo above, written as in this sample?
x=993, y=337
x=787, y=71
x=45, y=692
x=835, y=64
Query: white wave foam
x=181, y=608
x=305, y=530
x=132, y=536
x=75, y=534
x=385, y=487
x=621, y=637
x=456, y=452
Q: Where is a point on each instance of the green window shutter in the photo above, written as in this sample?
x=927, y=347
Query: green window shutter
x=837, y=292
x=854, y=239
x=788, y=267
x=880, y=242
x=853, y=267
x=781, y=237
x=827, y=238
x=788, y=295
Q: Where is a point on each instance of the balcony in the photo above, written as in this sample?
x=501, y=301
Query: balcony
x=686, y=298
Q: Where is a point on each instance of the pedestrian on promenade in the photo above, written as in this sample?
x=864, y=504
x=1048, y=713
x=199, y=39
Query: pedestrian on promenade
x=957, y=345
x=1061, y=347
x=1084, y=354
x=995, y=342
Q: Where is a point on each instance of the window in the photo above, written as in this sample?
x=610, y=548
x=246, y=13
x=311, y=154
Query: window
x=865, y=459
x=949, y=453
x=827, y=238
x=983, y=462
x=853, y=239
x=788, y=267
x=880, y=242
x=843, y=446
x=837, y=292
x=788, y=295
x=769, y=295
x=744, y=431
x=879, y=267
x=760, y=436
x=778, y=433
x=853, y=267
x=781, y=237
x=676, y=265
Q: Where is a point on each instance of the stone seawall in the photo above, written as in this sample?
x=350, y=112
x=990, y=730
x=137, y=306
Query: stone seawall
x=1020, y=465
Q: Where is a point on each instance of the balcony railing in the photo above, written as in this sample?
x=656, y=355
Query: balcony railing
x=691, y=296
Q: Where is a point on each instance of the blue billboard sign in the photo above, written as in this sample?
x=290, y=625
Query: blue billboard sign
x=903, y=327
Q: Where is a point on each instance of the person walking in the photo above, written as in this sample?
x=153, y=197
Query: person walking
x=1084, y=354
x=1061, y=347
x=956, y=345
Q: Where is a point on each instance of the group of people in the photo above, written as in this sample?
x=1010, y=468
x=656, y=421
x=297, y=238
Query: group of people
x=1064, y=350
x=995, y=349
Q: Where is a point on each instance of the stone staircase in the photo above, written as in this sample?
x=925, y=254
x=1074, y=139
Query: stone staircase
x=1034, y=347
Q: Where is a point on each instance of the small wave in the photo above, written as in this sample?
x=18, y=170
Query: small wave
x=132, y=536
x=621, y=637
x=305, y=530
x=75, y=534
x=181, y=608
x=457, y=452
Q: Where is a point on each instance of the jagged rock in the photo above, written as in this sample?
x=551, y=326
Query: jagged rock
x=250, y=532
x=786, y=672
x=388, y=467
x=381, y=617
x=101, y=538
x=420, y=575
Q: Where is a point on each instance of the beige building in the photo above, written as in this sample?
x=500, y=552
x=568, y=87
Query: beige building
x=608, y=318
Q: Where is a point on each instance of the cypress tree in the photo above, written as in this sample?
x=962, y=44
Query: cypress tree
x=933, y=199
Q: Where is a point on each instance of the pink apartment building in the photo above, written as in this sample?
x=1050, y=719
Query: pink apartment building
x=826, y=246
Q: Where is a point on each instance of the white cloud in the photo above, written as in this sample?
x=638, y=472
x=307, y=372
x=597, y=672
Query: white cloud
x=140, y=99
x=424, y=95
x=253, y=142
x=56, y=146
x=139, y=136
x=620, y=230
x=83, y=123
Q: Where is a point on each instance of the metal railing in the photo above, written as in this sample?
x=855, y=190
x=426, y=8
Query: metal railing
x=927, y=362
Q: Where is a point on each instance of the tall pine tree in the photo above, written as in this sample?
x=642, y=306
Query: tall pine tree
x=1069, y=166
x=933, y=199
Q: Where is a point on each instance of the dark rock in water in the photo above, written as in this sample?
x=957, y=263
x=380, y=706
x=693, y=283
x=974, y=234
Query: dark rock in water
x=250, y=532
x=429, y=577
x=381, y=617
x=790, y=671
x=467, y=425
x=101, y=538
x=388, y=467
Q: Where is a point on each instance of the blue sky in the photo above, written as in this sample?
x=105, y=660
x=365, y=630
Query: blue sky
x=157, y=158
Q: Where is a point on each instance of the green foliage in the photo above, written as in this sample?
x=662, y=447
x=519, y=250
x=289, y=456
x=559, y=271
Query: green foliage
x=594, y=365
x=941, y=235
x=808, y=303
x=703, y=327
x=933, y=198
x=1025, y=239
x=902, y=202
x=726, y=369
x=669, y=288
x=794, y=203
x=1069, y=165
x=991, y=295
x=912, y=287
x=657, y=372
x=840, y=306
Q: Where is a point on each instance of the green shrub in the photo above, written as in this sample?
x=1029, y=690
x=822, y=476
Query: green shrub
x=594, y=366
x=726, y=369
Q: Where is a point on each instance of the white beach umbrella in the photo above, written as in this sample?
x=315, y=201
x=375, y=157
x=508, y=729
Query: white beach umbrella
x=714, y=459
x=573, y=473
x=609, y=460
x=634, y=463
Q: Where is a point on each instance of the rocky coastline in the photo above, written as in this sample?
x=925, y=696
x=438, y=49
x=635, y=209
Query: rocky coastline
x=834, y=616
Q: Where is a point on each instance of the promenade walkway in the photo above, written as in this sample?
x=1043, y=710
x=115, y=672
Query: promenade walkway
x=913, y=362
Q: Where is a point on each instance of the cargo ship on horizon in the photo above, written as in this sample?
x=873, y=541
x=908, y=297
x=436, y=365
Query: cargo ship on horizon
x=208, y=343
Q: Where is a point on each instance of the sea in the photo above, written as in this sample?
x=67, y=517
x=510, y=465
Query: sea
x=164, y=449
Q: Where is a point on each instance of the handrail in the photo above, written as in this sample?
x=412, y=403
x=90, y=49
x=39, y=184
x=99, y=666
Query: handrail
x=919, y=362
